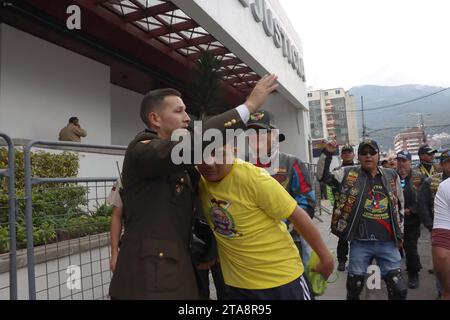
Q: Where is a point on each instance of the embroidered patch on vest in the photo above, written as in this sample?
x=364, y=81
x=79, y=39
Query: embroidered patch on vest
x=351, y=178
x=392, y=184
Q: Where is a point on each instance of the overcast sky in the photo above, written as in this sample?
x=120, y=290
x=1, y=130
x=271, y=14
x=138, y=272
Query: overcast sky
x=349, y=43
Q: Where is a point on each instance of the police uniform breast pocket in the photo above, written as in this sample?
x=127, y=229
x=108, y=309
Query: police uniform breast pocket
x=161, y=265
x=180, y=189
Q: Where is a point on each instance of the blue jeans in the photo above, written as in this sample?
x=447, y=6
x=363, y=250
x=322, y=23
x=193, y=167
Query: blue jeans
x=363, y=252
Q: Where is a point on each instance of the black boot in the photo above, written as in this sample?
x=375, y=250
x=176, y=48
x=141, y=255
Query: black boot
x=413, y=280
x=341, y=266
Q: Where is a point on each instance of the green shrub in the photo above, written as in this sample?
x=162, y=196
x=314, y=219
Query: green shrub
x=55, y=199
x=4, y=215
x=104, y=210
x=43, y=164
x=102, y=223
x=46, y=230
x=85, y=225
x=4, y=239
x=43, y=234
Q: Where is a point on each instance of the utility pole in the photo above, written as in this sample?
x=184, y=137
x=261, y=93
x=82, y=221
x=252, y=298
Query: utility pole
x=422, y=127
x=363, y=121
x=310, y=149
x=421, y=123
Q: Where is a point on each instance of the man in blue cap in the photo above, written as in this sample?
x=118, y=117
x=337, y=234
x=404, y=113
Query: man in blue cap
x=410, y=181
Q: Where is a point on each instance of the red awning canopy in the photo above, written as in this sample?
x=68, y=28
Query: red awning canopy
x=156, y=35
x=177, y=32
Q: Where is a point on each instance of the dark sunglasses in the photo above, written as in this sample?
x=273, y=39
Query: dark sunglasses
x=367, y=152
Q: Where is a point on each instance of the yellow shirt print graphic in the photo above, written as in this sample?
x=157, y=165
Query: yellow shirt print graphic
x=222, y=220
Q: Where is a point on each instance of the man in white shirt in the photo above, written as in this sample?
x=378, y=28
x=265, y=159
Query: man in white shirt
x=441, y=230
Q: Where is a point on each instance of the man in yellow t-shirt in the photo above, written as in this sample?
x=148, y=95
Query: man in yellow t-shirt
x=244, y=207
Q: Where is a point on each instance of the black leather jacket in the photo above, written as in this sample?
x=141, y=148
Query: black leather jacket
x=411, y=195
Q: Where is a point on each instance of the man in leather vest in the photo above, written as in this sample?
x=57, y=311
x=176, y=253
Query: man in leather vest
x=410, y=180
x=430, y=182
x=289, y=170
x=369, y=214
x=154, y=260
x=426, y=155
x=347, y=156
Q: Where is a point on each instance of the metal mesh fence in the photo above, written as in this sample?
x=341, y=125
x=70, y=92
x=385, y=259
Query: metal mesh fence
x=68, y=242
x=5, y=241
x=71, y=250
x=71, y=223
x=8, y=284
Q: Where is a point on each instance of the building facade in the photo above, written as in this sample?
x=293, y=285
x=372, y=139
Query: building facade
x=409, y=140
x=333, y=115
x=99, y=68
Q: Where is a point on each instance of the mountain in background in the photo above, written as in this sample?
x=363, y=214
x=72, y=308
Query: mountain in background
x=382, y=125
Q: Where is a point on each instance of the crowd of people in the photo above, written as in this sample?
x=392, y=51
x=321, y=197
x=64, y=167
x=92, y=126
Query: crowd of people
x=379, y=209
x=250, y=225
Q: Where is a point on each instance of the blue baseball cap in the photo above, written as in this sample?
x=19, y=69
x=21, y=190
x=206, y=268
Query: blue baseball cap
x=404, y=155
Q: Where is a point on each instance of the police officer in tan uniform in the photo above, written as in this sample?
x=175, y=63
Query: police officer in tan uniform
x=73, y=131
